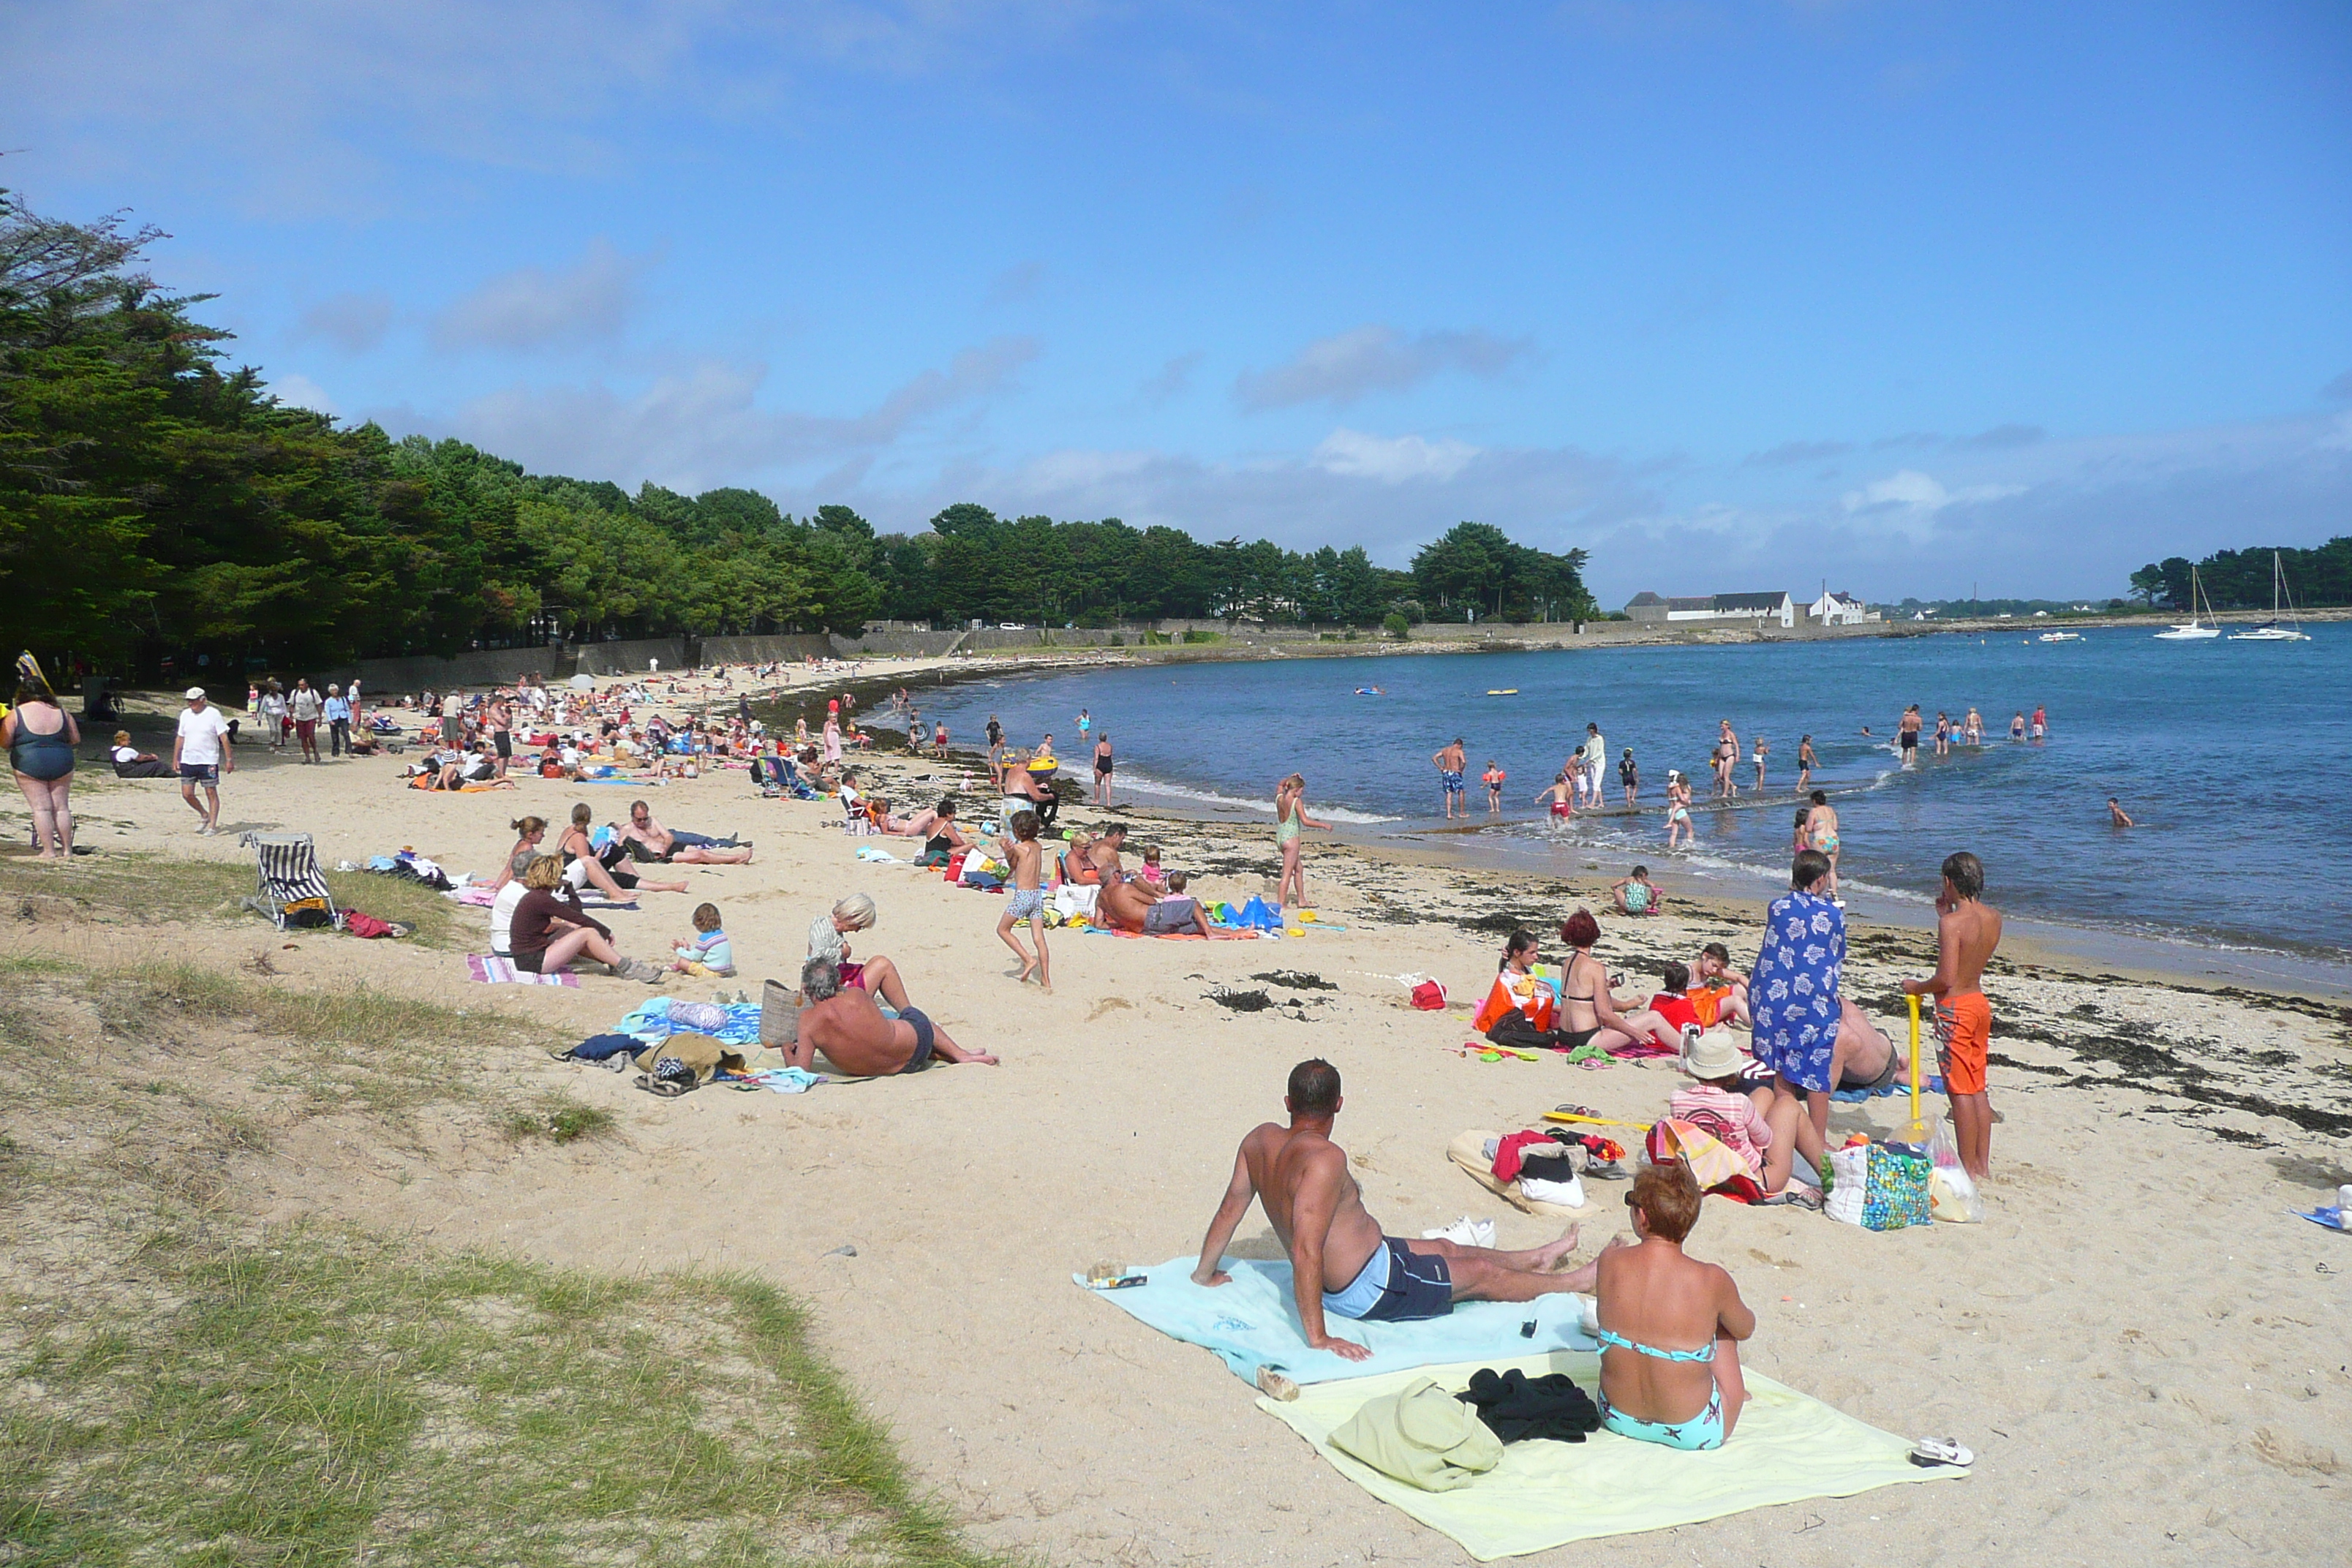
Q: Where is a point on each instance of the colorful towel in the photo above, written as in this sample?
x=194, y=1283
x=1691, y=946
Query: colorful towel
x=737, y=1023
x=1788, y=1447
x=494, y=971
x=1254, y=1322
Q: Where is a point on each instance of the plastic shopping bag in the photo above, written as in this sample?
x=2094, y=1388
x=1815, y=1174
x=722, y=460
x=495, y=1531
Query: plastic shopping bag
x=1951, y=1192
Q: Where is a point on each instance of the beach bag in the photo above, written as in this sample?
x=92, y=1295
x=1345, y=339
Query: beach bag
x=1877, y=1188
x=1713, y=1164
x=1952, y=1192
x=1429, y=996
x=780, y=1015
x=1530, y=997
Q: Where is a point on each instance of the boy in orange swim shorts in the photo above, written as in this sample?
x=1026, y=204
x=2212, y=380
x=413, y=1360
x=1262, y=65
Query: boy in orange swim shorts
x=1967, y=931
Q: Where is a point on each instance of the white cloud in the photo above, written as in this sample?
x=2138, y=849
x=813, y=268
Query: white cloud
x=1908, y=500
x=302, y=393
x=1392, y=460
x=703, y=425
x=1342, y=368
x=534, y=307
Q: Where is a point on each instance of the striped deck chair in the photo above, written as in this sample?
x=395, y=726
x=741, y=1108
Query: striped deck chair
x=288, y=887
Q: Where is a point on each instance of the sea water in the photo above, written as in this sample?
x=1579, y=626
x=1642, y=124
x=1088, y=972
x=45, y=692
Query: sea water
x=2232, y=758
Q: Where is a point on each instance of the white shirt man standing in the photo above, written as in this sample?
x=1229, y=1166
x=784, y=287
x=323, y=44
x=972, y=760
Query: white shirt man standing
x=199, y=752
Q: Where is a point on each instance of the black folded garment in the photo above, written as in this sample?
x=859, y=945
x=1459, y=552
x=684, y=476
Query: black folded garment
x=1517, y=1407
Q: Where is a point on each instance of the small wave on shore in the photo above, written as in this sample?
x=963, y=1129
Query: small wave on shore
x=1130, y=777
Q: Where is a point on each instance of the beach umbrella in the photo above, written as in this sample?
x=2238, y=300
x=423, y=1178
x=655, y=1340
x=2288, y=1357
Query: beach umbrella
x=584, y=683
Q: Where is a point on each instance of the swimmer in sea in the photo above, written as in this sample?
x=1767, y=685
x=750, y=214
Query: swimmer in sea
x=1493, y=779
x=2041, y=724
x=1906, y=735
x=2017, y=727
x=1763, y=750
x=1630, y=776
x=1973, y=728
x=1943, y=733
x=1451, y=764
x=2115, y=816
x=1678, y=817
x=1806, y=762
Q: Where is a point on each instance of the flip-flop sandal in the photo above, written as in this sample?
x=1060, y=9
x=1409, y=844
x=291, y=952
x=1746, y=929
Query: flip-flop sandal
x=1928, y=1453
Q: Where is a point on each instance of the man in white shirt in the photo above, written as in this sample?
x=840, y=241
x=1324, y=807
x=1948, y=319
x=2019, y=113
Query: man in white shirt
x=199, y=751
x=453, y=715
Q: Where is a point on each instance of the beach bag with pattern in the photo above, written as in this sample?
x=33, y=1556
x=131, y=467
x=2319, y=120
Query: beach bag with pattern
x=1877, y=1188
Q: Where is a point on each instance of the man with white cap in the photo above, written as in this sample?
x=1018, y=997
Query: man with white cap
x=199, y=752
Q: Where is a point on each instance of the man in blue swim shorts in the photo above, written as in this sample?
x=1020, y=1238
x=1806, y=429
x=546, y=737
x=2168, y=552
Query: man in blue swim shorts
x=1452, y=762
x=1341, y=1264
x=848, y=1025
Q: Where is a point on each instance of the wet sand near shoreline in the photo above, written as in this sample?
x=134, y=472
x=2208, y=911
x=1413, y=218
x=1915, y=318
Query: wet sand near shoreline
x=2145, y=1350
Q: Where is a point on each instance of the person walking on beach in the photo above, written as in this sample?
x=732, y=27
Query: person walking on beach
x=453, y=718
x=1822, y=834
x=1906, y=735
x=272, y=715
x=1630, y=775
x=1967, y=930
x=1451, y=765
x=498, y=714
x=306, y=707
x=1493, y=779
x=1806, y=762
x=1763, y=749
x=1290, y=816
x=199, y=752
x=41, y=737
x=833, y=731
x=1027, y=901
x=337, y=715
x=1104, y=763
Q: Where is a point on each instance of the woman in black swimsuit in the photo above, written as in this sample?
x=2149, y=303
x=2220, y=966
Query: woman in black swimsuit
x=1102, y=770
x=1587, y=1011
x=41, y=737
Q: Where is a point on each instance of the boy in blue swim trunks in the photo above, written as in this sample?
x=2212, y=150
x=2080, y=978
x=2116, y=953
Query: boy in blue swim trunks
x=1342, y=1265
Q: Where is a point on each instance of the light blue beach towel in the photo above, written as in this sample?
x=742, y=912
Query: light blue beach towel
x=1253, y=1322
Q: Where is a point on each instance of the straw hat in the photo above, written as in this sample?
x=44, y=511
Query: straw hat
x=1714, y=1053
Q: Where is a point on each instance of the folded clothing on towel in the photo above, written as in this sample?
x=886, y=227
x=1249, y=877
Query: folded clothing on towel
x=1517, y=1407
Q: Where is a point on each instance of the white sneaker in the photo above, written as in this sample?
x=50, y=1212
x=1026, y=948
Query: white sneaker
x=1465, y=1232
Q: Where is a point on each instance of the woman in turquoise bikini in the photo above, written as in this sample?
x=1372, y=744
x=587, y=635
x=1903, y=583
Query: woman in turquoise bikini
x=1652, y=1302
x=1290, y=816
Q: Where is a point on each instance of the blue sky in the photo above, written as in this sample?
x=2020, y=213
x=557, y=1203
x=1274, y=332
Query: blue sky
x=1905, y=296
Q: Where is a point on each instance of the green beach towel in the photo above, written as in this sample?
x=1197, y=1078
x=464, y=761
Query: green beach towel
x=1789, y=1447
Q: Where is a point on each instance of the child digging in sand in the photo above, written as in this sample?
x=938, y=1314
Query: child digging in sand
x=709, y=956
x=1027, y=900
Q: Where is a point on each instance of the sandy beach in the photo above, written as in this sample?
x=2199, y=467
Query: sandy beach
x=2146, y=1351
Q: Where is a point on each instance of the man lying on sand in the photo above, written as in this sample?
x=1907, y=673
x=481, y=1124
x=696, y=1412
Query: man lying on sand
x=1340, y=1261
x=846, y=1025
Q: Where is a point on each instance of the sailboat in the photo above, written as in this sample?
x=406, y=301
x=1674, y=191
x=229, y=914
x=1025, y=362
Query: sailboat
x=2195, y=631
x=2272, y=630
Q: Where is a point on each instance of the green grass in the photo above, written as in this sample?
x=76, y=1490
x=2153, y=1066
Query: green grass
x=188, y=1385
x=561, y=1120
x=317, y=1395
x=112, y=888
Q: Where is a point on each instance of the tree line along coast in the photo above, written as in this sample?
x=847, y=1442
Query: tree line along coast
x=156, y=500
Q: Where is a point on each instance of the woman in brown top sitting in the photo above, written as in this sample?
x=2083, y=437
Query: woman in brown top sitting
x=551, y=933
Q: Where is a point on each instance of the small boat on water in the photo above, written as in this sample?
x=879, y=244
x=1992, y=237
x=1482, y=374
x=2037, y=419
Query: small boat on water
x=2196, y=630
x=2062, y=637
x=2279, y=627
x=1506, y=691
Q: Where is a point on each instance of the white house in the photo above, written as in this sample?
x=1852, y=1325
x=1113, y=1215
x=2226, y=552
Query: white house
x=1833, y=609
x=1714, y=609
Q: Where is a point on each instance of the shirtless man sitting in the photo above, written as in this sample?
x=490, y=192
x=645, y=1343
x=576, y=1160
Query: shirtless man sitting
x=1340, y=1262
x=1178, y=913
x=1103, y=854
x=1123, y=905
x=659, y=843
x=844, y=1022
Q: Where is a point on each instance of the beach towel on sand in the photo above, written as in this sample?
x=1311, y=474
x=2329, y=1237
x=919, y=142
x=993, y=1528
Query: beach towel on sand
x=1788, y=1447
x=495, y=971
x=1253, y=1322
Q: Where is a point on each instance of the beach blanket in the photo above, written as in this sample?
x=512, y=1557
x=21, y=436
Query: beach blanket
x=1788, y=1447
x=1253, y=1322
x=491, y=970
x=737, y=1023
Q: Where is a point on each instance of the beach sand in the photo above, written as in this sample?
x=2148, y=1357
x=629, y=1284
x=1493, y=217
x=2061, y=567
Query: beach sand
x=2148, y=1354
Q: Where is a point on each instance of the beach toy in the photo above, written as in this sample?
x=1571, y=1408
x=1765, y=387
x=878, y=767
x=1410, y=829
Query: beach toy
x=1915, y=1065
